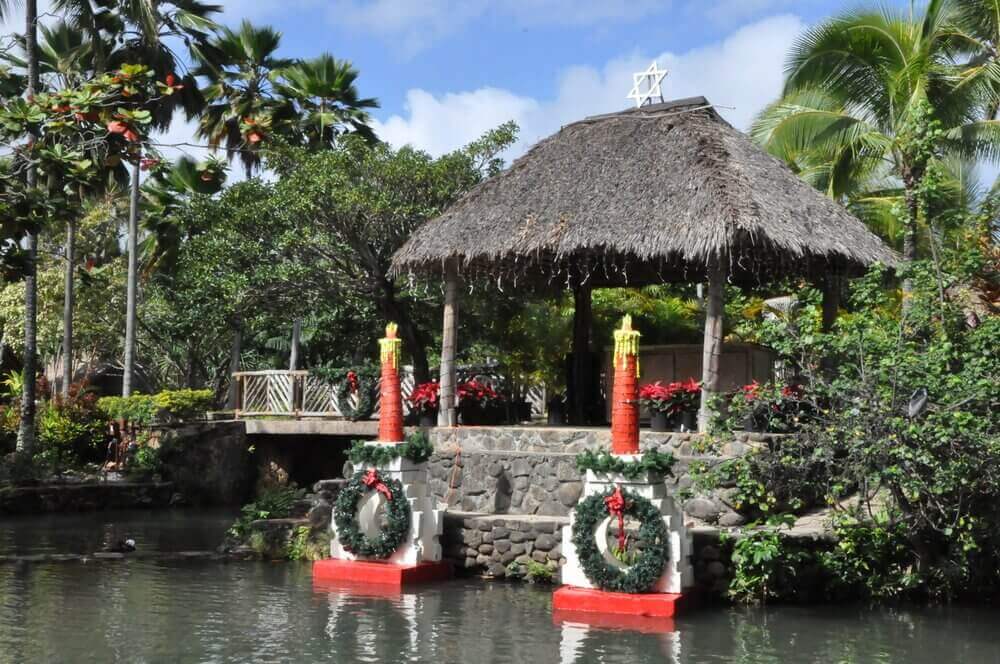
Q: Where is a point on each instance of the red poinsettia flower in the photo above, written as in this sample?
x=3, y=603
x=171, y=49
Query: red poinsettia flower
x=117, y=127
x=424, y=397
x=751, y=391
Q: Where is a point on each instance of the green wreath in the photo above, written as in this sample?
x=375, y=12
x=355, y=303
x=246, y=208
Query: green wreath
x=365, y=381
x=642, y=575
x=345, y=515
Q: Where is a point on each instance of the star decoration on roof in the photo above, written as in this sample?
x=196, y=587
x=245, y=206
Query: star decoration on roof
x=652, y=78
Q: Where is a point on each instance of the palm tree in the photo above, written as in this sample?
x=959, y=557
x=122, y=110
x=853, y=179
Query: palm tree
x=240, y=67
x=327, y=100
x=26, y=428
x=147, y=28
x=860, y=91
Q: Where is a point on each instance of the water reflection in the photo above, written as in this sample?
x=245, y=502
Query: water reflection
x=207, y=611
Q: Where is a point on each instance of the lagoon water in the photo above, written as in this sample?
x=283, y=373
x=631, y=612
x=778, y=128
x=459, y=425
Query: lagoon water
x=165, y=610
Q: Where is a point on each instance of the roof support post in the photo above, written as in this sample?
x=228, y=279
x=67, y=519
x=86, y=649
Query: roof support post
x=447, y=410
x=831, y=300
x=581, y=372
x=715, y=301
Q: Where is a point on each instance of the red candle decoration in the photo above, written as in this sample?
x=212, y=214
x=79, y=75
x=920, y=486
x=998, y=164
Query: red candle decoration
x=625, y=391
x=390, y=424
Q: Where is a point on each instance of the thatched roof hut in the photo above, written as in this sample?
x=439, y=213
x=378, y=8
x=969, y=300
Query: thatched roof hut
x=665, y=192
x=647, y=194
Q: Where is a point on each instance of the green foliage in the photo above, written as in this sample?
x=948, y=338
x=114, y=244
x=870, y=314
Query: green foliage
x=145, y=409
x=764, y=564
x=935, y=471
x=417, y=448
x=147, y=461
x=604, y=462
x=653, y=540
x=871, y=559
x=139, y=409
x=532, y=571
x=183, y=404
x=395, y=530
x=273, y=503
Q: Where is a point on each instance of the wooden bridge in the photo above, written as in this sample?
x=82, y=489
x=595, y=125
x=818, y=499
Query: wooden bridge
x=296, y=394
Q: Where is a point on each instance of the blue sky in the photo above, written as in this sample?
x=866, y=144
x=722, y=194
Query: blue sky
x=445, y=71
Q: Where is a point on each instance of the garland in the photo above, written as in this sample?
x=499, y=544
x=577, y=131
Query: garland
x=417, y=449
x=642, y=575
x=362, y=380
x=345, y=515
x=604, y=462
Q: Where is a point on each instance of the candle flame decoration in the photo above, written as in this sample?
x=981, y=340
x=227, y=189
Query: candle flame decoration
x=389, y=346
x=627, y=343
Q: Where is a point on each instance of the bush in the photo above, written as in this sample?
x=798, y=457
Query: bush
x=168, y=405
x=903, y=418
x=274, y=503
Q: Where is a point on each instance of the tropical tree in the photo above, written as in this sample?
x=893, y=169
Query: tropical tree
x=147, y=28
x=241, y=104
x=326, y=101
x=872, y=95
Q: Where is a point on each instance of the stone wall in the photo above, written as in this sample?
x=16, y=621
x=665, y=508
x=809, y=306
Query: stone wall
x=208, y=462
x=532, y=470
x=488, y=544
x=84, y=497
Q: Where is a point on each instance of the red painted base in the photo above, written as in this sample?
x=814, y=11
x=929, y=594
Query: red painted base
x=364, y=571
x=585, y=600
x=614, y=622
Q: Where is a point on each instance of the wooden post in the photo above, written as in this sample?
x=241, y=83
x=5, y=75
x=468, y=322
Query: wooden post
x=579, y=390
x=712, y=353
x=831, y=300
x=293, y=356
x=447, y=412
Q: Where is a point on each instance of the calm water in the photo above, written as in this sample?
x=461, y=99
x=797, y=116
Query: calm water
x=204, y=611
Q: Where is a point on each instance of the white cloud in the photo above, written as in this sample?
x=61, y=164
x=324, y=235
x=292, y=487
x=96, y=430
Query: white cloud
x=743, y=72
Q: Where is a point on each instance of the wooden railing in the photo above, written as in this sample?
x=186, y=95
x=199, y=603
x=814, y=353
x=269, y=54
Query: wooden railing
x=295, y=394
x=300, y=394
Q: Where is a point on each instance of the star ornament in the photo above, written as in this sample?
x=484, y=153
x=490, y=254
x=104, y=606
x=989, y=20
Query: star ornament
x=651, y=78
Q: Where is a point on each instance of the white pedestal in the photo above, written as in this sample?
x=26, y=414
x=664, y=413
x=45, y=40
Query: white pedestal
x=678, y=574
x=426, y=523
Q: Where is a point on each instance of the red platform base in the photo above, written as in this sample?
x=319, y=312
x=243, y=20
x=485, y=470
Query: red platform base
x=385, y=574
x=585, y=600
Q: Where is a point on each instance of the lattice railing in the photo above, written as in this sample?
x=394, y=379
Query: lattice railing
x=296, y=394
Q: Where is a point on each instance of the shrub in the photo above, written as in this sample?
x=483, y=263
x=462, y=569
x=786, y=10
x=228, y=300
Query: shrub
x=765, y=565
x=183, y=404
x=274, y=503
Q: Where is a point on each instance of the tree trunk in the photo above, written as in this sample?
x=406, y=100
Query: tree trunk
x=447, y=414
x=68, y=301
x=190, y=378
x=580, y=391
x=293, y=356
x=232, y=402
x=909, y=235
x=395, y=311
x=712, y=350
x=26, y=427
x=133, y=279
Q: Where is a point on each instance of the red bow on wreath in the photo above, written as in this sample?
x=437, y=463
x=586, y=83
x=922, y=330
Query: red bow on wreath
x=616, y=507
x=352, y=381
x=373, y=481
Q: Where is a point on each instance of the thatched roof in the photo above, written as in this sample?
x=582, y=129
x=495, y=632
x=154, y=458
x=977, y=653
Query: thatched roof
x=642, y=195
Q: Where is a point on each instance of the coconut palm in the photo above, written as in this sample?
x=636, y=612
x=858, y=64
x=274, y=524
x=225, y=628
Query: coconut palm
x=26, y=427
x=326, y=100
x=146, y=30
x=241, y=104
x=859, y=90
